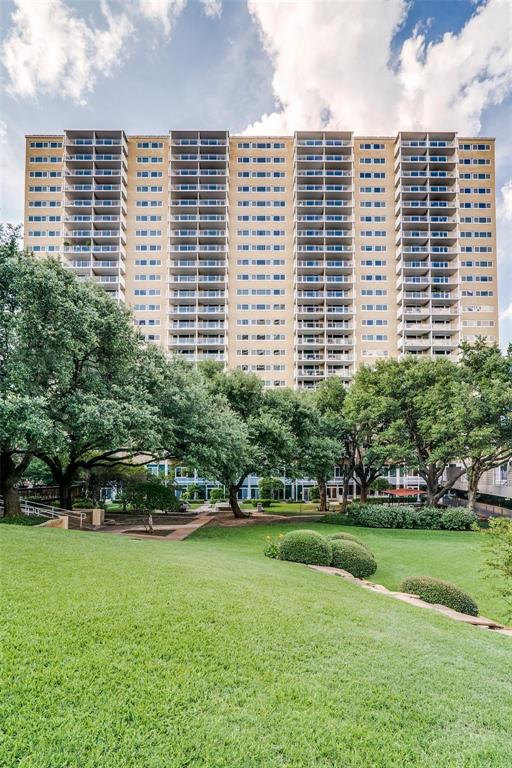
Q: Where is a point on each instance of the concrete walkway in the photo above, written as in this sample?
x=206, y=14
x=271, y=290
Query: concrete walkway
x=476, y=621
x=189, y=528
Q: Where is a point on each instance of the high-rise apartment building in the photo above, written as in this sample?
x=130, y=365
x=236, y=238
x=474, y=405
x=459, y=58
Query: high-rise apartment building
x=294, y=257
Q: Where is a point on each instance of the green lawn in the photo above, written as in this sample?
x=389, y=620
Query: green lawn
x=284, y=508
x=205, y=654
x=452, y=555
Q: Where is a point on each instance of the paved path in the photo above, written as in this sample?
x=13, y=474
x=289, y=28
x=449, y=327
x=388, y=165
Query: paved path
x=477, y=621
x=187, y=530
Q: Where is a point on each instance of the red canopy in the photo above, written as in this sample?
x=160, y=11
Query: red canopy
x=404, y=491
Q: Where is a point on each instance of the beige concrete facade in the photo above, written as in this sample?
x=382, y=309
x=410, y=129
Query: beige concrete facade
x=295, y=257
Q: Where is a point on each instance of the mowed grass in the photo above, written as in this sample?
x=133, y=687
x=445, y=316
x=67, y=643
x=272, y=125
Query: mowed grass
x=284, y=508
x=453, y=555
x=205, y=654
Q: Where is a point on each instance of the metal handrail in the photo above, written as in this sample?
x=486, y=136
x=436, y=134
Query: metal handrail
x=45, y=510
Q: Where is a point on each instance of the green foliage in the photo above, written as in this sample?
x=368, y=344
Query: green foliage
x=193, y=492
x=498, y=542
x=314, y=493
x=486, y=420
x=305, y=547
x=345, y=537
x=353, y=557
x=380, y=485
x=251, y=435
x=413, y=408
x=440, y=592
x=84, y=503
x=384, y=516
x=38, y=473
x=217, y=494
x=265, y=503
x=21, y=520
x=272, y=546
x=149, y=493
x=378, y=515
x=270, y=487
x=458, y=519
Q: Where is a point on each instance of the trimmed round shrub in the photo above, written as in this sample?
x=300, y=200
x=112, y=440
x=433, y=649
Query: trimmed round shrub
x=353, y=557
x=346, y=537
x=457, y=519
x=306, y=547
x=439, y=591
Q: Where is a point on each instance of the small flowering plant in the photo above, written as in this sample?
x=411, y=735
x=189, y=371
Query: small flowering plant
x=272, y=546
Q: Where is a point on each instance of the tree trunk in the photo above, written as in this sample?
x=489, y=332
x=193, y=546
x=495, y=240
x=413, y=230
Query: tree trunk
x=12, y=507
x=322, y=491
x=363, y=489
x=233, y=501
x=432, y=490
x=10, y=473
x=65, y=500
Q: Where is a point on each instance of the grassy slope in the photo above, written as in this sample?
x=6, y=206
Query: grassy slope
x=456, y=556
x=205, y=654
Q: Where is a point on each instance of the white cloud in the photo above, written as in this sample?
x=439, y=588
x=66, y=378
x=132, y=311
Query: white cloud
x=505, y=204
x=332, y=67
x=12, y=181
x=212, y=8
x=49, y=49
x=164, y=12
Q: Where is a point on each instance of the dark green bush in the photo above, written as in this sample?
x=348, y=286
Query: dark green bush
x=22, y=520
x=433, y=518
x=353, y=557
x=305, y=547
x=377, y=515
x=439, y=591
x=84, y=503
x=422, y=517
x=457, y=519
x=265, y=503
x=346, y=537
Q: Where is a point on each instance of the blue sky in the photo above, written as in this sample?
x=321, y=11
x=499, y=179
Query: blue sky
x=374, y=66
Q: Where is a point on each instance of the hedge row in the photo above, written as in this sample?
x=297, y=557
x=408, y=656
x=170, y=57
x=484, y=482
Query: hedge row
x=384, y=516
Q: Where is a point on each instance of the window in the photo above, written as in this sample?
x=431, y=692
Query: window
x=150, y=159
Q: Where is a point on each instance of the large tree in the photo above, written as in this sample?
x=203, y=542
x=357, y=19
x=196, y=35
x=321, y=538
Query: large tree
x=318, y=453
x=251, y=435
x=486, y=418
x=330, y=397
x=99, y=409
x=366, y=414
x=36, y=343
x=412, y=409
